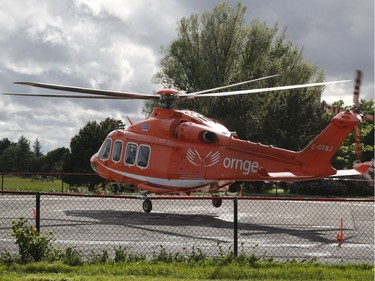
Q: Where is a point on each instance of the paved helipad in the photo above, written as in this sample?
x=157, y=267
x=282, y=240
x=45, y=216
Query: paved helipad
x=277, y=229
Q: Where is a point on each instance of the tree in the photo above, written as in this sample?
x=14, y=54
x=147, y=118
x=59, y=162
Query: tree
x=53, y=160
x=85, y=144
x=4, y=144
x=37, y=161
x=367, y=129
x=37, y=148
x=24, y=155
x=17, y=157
x=8, y=161
x=217, y=49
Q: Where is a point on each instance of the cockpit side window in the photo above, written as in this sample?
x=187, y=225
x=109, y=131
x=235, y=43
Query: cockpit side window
x=131, y=153
x=143, y=156
x=106, y=149
x=117, y=149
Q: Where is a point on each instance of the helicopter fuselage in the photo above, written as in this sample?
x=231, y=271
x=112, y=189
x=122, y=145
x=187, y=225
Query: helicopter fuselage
x=183, y=151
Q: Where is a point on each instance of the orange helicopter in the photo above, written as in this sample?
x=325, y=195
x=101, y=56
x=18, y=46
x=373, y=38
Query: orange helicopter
x=183, y=151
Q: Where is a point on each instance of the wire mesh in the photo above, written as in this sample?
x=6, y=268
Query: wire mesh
x=281, y=229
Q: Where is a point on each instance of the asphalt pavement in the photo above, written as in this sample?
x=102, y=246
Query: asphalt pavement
x=301, y=230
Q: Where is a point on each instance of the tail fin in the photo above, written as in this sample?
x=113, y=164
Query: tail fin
x=317, y=156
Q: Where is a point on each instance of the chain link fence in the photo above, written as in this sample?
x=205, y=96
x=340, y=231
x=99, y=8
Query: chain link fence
x=278, y=228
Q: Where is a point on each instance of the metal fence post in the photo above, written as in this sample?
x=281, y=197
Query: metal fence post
x=62, y=184
x=235, y=227
x=37, y=212
x=2, y=181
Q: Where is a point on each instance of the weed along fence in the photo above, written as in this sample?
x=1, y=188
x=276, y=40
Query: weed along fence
x=327, y=230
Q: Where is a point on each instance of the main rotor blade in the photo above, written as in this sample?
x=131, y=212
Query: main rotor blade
x=67, y=96
x=123, y=95
x=253, y=91
x=231, y=85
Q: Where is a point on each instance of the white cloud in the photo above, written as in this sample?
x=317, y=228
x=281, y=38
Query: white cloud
x=26, y=67
x=338, y=92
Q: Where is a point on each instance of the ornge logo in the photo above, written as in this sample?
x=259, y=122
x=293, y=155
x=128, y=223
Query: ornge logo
x=208, y=160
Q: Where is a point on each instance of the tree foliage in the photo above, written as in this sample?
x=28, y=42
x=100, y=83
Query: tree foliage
x=16, y=157
x=53, y=160
x=355, y=188
x=37, y=148
x=85, y=144
x=218, y=48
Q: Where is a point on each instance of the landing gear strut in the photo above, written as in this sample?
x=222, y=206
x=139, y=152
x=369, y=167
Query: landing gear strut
x=147, y=205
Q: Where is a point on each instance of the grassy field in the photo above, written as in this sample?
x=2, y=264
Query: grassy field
x=33, y=184
x=39, y=184
x=186, y=271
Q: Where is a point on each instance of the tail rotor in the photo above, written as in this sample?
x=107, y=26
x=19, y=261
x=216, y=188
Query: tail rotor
x=356, y=108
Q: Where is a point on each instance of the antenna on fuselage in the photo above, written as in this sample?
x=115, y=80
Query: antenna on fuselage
x=130, y=121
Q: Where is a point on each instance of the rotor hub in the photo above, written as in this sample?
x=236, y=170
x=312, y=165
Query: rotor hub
x=168, y=93
x=168, y=96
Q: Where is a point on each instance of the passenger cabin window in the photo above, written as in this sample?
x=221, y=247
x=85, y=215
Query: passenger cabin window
x=117, y=149
x=106, y=149
x=131, y=153
x=143, y=156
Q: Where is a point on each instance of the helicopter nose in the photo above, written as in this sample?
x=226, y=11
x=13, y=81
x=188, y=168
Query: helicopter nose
x=94, y=161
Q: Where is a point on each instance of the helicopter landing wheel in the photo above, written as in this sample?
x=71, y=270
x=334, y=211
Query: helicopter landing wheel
x=114, y=188
x=217, y=202
x=147, y=205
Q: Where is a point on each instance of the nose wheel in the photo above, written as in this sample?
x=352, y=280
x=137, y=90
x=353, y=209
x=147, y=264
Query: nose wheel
x=147, y=205
x=217, y=201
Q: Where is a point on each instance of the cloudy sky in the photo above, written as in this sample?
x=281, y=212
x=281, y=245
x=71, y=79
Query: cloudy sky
x=114, y=44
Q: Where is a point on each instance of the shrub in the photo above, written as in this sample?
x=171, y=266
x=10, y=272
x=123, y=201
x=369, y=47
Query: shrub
x=354, y=188
x=32, y=246
x=72, y=257
x=121, y=255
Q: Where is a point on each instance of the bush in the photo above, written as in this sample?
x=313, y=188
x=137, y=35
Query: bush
x=347, y=188
x=72, y=257
x=32, y=246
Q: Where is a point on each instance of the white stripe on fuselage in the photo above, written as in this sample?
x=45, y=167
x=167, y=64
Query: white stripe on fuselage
x=161, y=181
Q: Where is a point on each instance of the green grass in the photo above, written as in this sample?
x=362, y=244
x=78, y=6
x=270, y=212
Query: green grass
x=187, y=271
x=33, y=184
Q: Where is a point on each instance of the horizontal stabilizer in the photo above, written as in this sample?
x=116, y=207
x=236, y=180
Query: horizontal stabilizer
x=280, y=176
x=361, y=169
x=288, y=176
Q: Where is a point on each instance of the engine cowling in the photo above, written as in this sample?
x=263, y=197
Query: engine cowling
x=189, y=131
